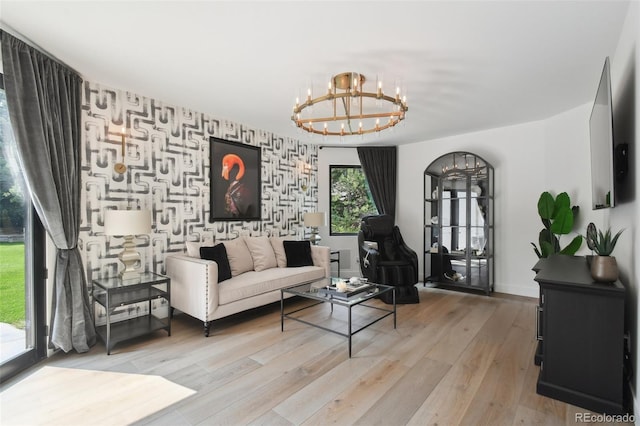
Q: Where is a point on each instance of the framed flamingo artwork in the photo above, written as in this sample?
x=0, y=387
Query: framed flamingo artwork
x=235, y=181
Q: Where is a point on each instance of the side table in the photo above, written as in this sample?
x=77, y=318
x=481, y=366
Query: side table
x=113, y=292
x=336, y=259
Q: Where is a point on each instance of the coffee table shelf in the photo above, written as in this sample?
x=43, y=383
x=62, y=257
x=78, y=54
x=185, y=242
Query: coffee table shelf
x=311, y=291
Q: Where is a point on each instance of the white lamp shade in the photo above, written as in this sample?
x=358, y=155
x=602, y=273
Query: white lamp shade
x=127, y=222
x=314, y=219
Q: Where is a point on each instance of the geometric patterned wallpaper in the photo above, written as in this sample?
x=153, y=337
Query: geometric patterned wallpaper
x=167, y=159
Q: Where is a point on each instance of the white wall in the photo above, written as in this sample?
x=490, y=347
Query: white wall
x=625, y=73
x=348, y=245
x=516, y=153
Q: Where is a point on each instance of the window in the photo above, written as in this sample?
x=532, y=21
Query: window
x=21, y=262
x=350, y=199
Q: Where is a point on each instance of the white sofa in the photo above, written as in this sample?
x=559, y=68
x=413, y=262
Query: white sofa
x=195, y=289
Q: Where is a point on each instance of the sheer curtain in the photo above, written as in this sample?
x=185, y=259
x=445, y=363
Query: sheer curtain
x=379, y=166
x=44, y=104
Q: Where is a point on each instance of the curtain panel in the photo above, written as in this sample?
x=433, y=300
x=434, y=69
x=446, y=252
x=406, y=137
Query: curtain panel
x=379, y=167
x=44, y=103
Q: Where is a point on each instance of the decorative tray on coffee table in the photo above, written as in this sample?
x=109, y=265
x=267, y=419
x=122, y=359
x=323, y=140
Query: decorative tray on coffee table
x=350, y=288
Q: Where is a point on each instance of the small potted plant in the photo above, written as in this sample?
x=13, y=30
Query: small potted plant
x=604, y=267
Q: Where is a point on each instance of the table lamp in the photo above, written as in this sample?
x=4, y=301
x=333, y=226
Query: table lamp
x=128, y=223
x=313, y=221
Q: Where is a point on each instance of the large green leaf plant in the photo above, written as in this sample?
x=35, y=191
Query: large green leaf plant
x=557, y=216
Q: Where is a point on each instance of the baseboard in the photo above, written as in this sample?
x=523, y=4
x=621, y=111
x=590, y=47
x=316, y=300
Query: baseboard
x=530, y=290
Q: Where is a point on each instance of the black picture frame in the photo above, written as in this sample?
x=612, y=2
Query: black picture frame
x=231, y=198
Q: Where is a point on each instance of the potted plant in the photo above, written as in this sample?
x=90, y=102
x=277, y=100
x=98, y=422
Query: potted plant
x=604, y=267
x=557, y=216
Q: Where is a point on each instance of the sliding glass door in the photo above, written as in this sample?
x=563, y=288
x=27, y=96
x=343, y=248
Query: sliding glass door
x=22, y=263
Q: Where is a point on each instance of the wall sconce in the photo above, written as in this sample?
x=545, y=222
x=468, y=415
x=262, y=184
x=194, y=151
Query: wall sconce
x=305, y=170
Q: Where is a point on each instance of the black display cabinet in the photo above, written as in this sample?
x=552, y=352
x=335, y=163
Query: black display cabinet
x=458, y=222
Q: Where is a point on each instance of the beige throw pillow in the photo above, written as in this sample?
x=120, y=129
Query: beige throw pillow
x=261, y=253
x=278, y=250
x=193, y=247
x=239, y=256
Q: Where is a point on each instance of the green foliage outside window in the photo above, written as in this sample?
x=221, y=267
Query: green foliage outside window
x=12, y=205
x=350, y=199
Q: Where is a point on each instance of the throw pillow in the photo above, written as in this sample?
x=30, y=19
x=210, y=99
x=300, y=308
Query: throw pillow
x=218, y=253
x=239, y=256
x=193, y=247
x=278, y=250
x=298, y=253
x=261, y=253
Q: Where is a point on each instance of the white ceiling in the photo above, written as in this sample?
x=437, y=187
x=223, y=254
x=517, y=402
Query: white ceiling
x=466, y=65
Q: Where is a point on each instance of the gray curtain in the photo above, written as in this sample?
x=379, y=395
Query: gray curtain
x=44, y=105
x=379, y=167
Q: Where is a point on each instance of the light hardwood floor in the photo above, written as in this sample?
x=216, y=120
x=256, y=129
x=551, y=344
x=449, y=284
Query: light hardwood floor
x=455, y=358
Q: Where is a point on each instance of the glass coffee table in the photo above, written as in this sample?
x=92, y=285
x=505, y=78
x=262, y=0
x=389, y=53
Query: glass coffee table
x=322, y=292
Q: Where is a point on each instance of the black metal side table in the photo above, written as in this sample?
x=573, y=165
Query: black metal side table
x=336, y=259
x=150, y=291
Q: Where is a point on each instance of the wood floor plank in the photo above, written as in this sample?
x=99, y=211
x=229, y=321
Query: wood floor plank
x=503, y=382
x=211, y=401
x=351, y=404
x=400, y=402
x=454, y=343
x=264, y=397
x=525, y=416
x=308, y=400
x=270, y=418
x=547, y=407
x=450, y=400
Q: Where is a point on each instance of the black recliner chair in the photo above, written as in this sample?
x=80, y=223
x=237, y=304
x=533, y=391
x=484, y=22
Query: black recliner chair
x=392, y=262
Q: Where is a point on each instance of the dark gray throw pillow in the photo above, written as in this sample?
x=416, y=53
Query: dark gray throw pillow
x=298, y=253
x=218, y=253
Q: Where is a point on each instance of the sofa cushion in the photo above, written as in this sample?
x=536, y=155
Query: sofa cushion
x=193, y=247
x=298, y=253
x=239, y=256
x=278, y=249
x=255, y=283
x=261, y=253
x=218, y=253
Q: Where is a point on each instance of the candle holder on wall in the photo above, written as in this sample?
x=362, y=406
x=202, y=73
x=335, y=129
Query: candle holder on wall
x=121, y=167
x=306, y=176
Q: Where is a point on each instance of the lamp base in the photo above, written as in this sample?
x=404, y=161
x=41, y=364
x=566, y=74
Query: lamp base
x=130, y=258
x=315, y=238
x=130, y=275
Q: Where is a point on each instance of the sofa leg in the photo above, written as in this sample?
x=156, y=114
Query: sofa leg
x=207, y=326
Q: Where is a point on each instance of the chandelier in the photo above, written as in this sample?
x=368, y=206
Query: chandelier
x=348, y=109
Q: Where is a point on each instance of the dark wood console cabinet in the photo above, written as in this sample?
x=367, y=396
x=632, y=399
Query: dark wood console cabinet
x=581, y=331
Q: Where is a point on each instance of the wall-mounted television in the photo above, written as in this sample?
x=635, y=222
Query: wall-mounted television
x=602, y=144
